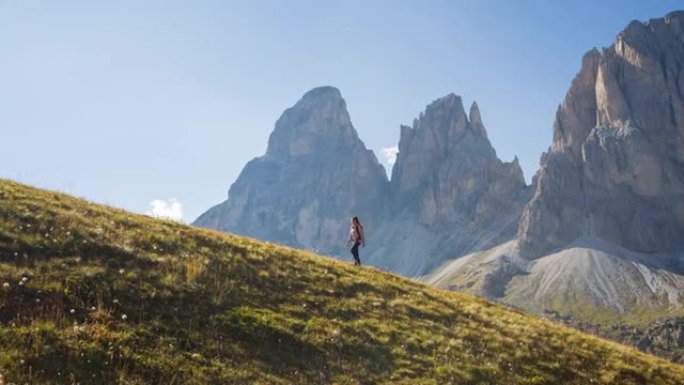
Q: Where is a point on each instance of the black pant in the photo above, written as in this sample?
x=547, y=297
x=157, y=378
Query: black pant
x=355, y=253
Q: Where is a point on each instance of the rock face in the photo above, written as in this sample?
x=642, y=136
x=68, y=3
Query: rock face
x=315, y=175
x=615, y=170
x=602, y=239
x=450, y=194
x=448, y=180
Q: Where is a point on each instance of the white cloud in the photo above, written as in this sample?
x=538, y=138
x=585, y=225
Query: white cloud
x=389, y=155
x=166, y=208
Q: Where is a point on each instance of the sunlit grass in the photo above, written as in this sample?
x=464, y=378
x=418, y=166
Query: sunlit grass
x=96, y=295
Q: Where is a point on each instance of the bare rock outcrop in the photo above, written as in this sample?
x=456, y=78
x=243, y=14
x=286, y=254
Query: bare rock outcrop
x=615, y=170
x=448, y=179
x=450, y=194
x=316, y=173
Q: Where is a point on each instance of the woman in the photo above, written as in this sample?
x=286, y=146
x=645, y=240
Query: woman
x=356, y=238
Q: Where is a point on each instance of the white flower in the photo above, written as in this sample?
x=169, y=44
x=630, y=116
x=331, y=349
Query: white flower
x=24, y=279
x=21, y=283
x=92, y=308
x=123, y=317
x=5, y=285
x=72, y=311
x=115, y=300
x=37, y=300
x=121, y=271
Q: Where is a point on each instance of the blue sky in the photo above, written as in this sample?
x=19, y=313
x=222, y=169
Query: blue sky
x=128, y=102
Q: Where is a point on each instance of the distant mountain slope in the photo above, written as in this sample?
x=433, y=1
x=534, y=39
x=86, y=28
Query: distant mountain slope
x=94, y=295
x=589, y=280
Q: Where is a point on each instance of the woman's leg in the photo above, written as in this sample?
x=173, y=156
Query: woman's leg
x=355, y=253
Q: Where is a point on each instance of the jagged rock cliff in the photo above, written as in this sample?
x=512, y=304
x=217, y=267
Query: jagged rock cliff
x=602, y=238
x=450, y=194
x=315, y=175
x=448, y=182
x=615, y=170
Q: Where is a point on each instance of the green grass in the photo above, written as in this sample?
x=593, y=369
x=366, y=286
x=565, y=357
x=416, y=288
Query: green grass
x=110, y=297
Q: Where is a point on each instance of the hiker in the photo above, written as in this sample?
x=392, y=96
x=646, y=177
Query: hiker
x=356, y=238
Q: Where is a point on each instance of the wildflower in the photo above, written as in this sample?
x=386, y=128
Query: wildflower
x=21, y=283
x=92, y=308
x=37, y=300
x=5, y=285
x=24, y=279
x=72, y=311
x=123, y=317
x=121, y=271
x=115, y=300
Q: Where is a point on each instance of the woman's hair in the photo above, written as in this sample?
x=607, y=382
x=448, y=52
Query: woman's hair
x=356, y=220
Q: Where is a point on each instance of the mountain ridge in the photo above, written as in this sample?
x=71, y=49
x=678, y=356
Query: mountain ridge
x=600, y=240
x=408, y=219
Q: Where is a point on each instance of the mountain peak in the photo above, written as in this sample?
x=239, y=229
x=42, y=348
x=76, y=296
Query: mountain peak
x=679, y=15
x=476, y=120
x=316, y=122
x=450, y=105
x=617, y=138
x=448, y=148
x=315, y=175
x=322, y=93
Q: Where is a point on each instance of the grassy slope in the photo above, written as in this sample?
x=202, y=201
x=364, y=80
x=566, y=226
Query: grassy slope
x=159, y=302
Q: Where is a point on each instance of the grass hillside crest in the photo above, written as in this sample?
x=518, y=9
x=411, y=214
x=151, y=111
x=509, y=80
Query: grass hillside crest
x=95, y=295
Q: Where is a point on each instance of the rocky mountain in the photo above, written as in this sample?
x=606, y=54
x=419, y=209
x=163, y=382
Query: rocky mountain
x=449, y=188
x=315, y=175
x=597, y=238
x=616, y=166
x=449, y=195
x=601, y=239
